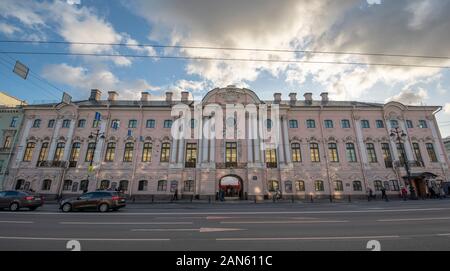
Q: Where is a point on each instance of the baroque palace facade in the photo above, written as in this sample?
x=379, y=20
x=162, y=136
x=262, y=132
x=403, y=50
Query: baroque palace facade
x=336, y=148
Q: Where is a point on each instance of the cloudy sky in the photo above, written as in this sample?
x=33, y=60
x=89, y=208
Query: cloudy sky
x=394, y=27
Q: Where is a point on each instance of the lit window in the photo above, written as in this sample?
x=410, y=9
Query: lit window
x=29, y=151
x=333, y=152
x=371, y=154
x=338, y=186
x=314, y=150
x=128, y=153
x=296, y=152
x=318, y=186
x=147, y=152
x=165, y=152
x=110, y=152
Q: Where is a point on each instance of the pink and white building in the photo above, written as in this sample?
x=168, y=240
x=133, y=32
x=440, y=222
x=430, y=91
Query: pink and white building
x=326, y=147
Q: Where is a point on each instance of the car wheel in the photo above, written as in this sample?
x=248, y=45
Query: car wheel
x=14, y=206
x=103, y=207
x=67, y=207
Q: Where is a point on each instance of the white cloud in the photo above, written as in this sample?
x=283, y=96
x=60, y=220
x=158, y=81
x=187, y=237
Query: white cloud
x=447, y=108
x=410, y=97
x=83, y=79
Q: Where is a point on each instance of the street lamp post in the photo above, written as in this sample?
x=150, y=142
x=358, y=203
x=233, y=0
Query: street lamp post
x=397, y=135
x=95, y=136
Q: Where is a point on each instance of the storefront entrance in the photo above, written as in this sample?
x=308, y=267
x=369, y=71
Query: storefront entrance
x=231, y=187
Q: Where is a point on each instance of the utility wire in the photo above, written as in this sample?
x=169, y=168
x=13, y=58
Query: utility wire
x=224, y=59
x=225, y=48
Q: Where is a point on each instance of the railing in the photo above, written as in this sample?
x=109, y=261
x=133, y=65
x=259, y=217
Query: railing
x=230, y=165
x=190, y=164
x=271, y=164
x=388, y=163
x=5, y=149
x=61, y=164
x=418, y=163
x=72, y=163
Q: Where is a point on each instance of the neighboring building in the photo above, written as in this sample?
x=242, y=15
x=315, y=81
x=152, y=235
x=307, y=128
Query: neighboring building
x=447, y=146
x=327, y=148
x=11, y=114
x=7, y=100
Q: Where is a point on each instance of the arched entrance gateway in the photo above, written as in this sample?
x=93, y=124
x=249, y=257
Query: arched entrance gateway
x=232, y=186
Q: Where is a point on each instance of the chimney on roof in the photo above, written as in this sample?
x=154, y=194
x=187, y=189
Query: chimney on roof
x=277, y=97
x=184, y=96
x=293, y=97
x=145, y=96
x=112, y=96
x=96, y=95
x=324, y=96
x=308, y=97
x=169, y=96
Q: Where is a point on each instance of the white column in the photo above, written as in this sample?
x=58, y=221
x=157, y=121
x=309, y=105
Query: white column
x=68, y=146
x=249, y=135
x=287, y=147
x=256, y=141
x=213, y=150
x=407, y=143
x=23, y=141
x=395, y=155
x=360, y=141
x=51, y=151
x=100, y=142
x=205, y=142
x=173, y=151
x=181, y=151
x=437, y=145
x=280, y=153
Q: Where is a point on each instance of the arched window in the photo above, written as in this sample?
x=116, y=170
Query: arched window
x=300, y=186
x=318, y=186
x=314, y=149
x=46, y=185
x=357, y=186
x=333, y=152
x=29, y=151
x=338, y=186
x=59, y=152
x=351, y=154
x=115, y=124
x=110, y=151
x=90, y=152
x=67, y=185
x=128, y=153
x=37, y=123
x=189, y=186
x=19, y=184
x=143, y=184
x=84, y=184
x=162, y=185
x=123, y=185
x=296, y=152
x=147, y=152
x=75, y=152
x=165, y=152
x=104, y=184
x=43, y=153
x=288, y=186
x=273, y=186
x=378, y=185
x=371, y=154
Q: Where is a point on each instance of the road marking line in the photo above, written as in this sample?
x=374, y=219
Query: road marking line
x=126, y=223
x=284, y=222
x=443, y=234
x=202, y=230
x=18, y=222
x=413, y=219
x=79, y=239
x=307, y=238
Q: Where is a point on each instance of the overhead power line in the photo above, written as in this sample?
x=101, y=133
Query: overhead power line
x=225, y=48
x=224, y=59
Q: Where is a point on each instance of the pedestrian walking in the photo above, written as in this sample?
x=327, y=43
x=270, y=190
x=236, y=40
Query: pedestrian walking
x=175, y=194
x=383, y=194
x=404, y=193
x=369, y=194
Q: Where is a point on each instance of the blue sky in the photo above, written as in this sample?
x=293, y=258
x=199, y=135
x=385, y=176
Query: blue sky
x=409, y=27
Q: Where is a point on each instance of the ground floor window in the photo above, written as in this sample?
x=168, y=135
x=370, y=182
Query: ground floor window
x=123, y=185
x=189, y=186
x=288, y=186
x=300, y=186
x=75, y=187
x=273, y=186
x=318, y=186
x=46, y=185
x=67, y=185
x=142, y=185
x=338, y=186
x=386, y=185
x=357, y=186
x=173, y=186
x=394, y=185
x=162, y=185
x=104, y=184
x=84, y=185
x=19, y=184
x=378, y=185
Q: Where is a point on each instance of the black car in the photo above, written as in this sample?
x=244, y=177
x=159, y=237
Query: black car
x=102, y=201
x=15, y=200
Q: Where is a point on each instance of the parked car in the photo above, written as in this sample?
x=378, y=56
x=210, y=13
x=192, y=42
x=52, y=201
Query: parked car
x=15, y=200
x=102, y=201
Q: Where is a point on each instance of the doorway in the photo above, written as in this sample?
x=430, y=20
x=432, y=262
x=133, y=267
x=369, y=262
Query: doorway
x=232, y=187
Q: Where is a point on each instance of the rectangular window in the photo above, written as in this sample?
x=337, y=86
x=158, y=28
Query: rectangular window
x=338, y=186
x=168, y=124
x=386, y=155
x=351, y=154
x=409, y=124
x=13, y=123
x=66, y=124
x=345, y=123
x=231, y=152
x=328, y=123
x=365, y=124
x=162, y=185
x=296, y=152
x=75, y=152
x=128, y=152
x=43, y=152
x=271, y=158
x=293, y=124
x=310, y=123
x=132, y=123
x=314, y=150
x=29, y=151
x=371, y=154
x=333, y=152
x=423, y=124
x=59, y=152
x=318, y=186
x=394, y=185
x=418, y=154
x=81, y=123
x=150, y=124
x=191, y=155
x=147, y=152
x=165, y=152
x=394, y=123
x=431, y=152
x=401, y=153
x=90, y=152
x=51, y=124
x=380, y=124
x=95, y=123
x=110, y=152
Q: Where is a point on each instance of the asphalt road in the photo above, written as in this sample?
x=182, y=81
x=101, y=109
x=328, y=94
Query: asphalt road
x=410, y=225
